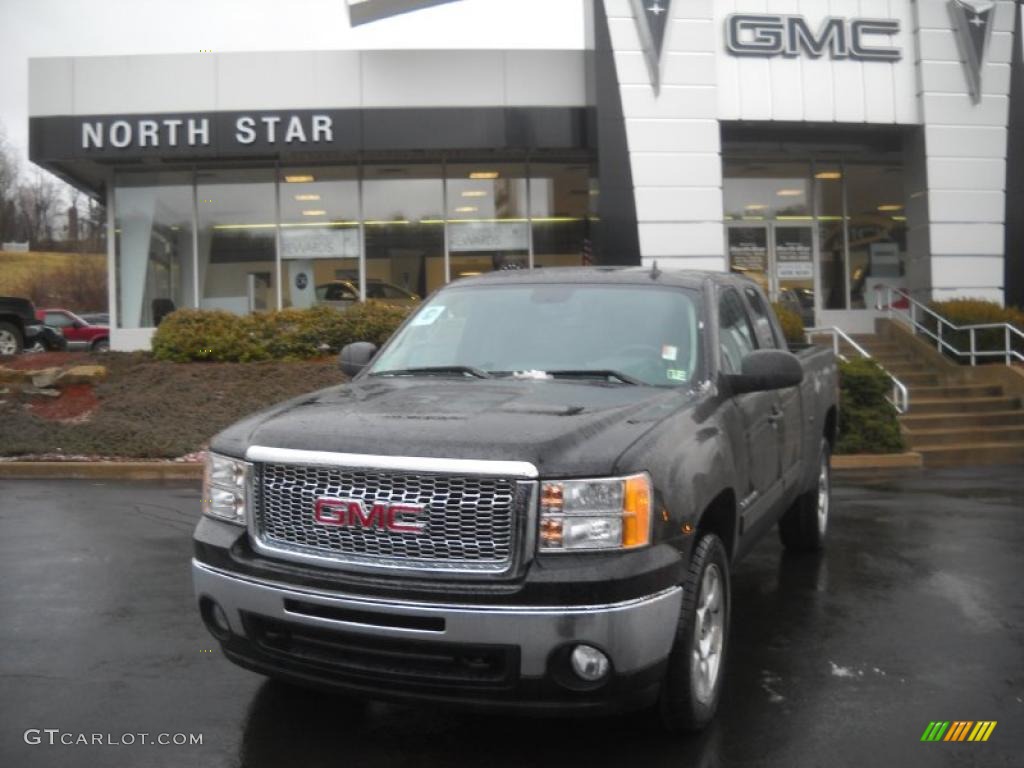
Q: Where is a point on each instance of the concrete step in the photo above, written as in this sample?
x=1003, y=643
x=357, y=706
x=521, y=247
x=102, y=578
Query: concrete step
x=972, y=454
x=912, y=380
x=928, y=438
x=955, y=390
x=918, y=421
x=963, y=404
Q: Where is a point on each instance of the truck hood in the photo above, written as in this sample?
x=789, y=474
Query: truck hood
x=564, y=428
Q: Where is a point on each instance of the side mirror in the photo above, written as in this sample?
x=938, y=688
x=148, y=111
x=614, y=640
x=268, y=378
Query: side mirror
x=355, y=357
x=766, y=369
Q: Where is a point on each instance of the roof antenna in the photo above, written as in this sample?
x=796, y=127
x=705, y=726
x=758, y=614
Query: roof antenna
x=655, y=272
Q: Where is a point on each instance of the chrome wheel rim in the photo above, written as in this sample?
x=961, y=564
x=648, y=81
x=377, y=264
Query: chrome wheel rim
x=823, y=496
x=708, y=634
x=8, y=344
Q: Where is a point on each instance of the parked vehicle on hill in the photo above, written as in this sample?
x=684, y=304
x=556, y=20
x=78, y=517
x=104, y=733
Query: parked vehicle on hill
x=530, y=498
x=342, y=294
x=96, y=318
x=19, y=326
x=79, y=333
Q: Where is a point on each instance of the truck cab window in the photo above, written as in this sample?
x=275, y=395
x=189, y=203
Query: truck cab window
x=762, y=323
x=736, y=337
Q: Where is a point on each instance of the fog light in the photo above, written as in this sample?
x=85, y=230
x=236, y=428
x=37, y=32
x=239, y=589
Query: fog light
x=220, y=620
x=214, y=618
x=589, y=663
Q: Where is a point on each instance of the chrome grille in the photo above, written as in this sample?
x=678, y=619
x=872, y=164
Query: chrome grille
x=470, y=520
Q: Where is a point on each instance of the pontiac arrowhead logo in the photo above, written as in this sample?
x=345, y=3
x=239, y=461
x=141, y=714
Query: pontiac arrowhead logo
x=973, y=19
x=652, y=20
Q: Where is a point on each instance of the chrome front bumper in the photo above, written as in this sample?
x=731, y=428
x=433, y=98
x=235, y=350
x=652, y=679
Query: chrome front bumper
x=636, y=634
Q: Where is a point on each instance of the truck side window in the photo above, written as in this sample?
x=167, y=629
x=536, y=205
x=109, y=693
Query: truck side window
x=762, y=322
x=736, y=337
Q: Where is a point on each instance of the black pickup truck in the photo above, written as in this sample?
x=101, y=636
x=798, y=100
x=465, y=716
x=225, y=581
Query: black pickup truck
x=530, y=498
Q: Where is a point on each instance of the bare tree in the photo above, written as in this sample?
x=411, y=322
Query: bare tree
x=9, y=173
x=39, y=201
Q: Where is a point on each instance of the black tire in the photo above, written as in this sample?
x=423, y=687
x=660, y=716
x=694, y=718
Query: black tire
x=688, y=701
x=11, y=341
x=101, y=345
x=804, y=525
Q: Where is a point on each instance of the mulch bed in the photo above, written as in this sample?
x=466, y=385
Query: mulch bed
x=38, y=360
x=145, y=408
x=75, y=404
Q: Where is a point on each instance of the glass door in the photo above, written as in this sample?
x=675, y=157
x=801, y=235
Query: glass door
x=780, y=257
x=747, y=246
x=793, y=266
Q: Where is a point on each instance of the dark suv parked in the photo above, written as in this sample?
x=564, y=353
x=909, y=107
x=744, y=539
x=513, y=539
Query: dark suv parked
x=19, y=327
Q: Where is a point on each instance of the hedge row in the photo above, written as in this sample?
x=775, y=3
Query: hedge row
x=791, y=322
x=288, y=334
x=867, y=421
x=977, y=312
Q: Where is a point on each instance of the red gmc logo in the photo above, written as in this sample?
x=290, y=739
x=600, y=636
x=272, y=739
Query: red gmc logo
x=381, y=515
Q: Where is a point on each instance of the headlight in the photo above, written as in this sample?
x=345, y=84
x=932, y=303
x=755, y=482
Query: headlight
x=225, y=488
x=610, y=513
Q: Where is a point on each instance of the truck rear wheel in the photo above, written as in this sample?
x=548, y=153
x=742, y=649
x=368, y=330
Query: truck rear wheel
x=10, y=339
x=693, y=681
x=804, y=525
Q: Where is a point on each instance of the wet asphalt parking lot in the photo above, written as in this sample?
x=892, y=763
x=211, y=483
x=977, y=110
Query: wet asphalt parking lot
x=914, y=613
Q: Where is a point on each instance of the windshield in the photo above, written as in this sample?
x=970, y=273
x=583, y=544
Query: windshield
x=625, y=333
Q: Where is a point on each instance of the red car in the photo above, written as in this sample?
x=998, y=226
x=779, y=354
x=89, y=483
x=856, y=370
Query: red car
x=78, y=333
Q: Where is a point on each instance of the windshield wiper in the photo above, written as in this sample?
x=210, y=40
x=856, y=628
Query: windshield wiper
x=595, y=373
x=441, y=369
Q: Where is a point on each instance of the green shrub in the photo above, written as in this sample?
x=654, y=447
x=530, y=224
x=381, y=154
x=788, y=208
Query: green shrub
x=287, y=334
x=792, y=324
x=976, y=312
x=867, y=421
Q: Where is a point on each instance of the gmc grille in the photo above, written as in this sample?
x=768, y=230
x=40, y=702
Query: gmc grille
x=470, y=521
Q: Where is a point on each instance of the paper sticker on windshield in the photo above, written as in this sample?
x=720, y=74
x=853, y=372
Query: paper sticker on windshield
x=428, y=316
x=668, y=352
x=676, y=374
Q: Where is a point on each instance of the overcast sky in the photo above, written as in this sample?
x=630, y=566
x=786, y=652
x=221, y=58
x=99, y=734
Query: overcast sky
x=30, y=28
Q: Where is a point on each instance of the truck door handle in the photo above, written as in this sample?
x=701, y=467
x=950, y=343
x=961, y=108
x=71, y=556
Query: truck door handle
x=775, y=414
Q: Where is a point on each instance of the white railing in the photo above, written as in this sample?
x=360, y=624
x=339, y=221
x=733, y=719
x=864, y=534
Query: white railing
x=887, y=298
x=900, y=397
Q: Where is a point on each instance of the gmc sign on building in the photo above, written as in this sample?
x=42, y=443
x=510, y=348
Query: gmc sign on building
x=779, y=35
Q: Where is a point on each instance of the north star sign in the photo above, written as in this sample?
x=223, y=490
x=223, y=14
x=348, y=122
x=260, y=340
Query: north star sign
x=756, y=34
x=143, y=133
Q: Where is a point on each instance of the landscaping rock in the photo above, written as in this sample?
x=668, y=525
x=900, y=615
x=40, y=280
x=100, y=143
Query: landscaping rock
x=45, y=378
x=48, y=392
x=83, y=374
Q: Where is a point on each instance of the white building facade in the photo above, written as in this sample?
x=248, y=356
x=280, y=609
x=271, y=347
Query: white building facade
x=827, y=149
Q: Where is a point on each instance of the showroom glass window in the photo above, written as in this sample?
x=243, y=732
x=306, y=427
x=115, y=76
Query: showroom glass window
x=153, y=240
x=561, y=206
x=403, y=209
x=488, y=221
x=237, y=229
x=877, y=228
x=320, y=236
x=828, y=192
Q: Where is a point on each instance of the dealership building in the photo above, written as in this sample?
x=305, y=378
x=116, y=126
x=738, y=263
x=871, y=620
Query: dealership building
x=826, y=149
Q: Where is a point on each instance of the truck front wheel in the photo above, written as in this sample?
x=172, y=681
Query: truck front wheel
x=10, y=339
x=803, y=526
x=693, y=681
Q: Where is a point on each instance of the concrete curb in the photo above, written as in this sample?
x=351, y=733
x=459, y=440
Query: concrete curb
x=152, y=470
x=101, y=470
x=857, y=461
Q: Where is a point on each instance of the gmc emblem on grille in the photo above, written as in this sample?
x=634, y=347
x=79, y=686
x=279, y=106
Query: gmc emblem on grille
x=380, y=515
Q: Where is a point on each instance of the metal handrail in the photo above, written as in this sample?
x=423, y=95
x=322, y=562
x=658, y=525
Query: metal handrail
x=910, y=316
x=900, y=398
